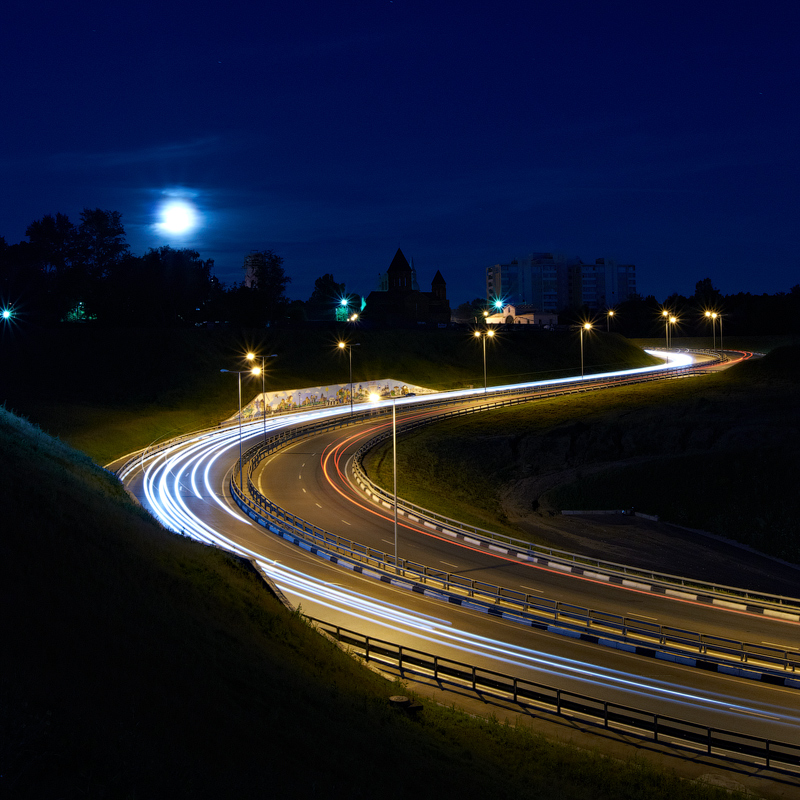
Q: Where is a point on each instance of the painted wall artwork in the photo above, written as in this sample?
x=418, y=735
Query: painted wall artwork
x=336, y=394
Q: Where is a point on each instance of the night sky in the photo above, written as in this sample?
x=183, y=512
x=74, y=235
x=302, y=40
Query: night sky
x=466, y=133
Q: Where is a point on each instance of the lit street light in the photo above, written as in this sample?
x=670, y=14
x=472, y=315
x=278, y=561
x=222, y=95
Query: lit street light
x=349, y=348
x=253, y=371
x=251, y=357
x=665, y=314
x=587, y=326
x=374, y=398
x=672, y=321
x=488, y=333
x=712, y=315
x=609, y=313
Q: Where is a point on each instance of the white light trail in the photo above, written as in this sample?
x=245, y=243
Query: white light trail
x=188, y=464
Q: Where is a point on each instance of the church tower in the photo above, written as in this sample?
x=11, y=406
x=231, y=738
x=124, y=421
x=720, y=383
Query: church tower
x=399, y=273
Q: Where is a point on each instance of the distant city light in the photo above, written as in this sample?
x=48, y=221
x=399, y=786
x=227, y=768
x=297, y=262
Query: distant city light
x=7, y=313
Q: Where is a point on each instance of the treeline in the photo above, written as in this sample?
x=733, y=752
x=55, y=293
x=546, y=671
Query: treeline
x=737, y=314
x=85, y=272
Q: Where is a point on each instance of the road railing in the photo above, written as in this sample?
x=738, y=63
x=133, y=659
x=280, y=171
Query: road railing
x=138, y=458
x=736, y=598
x=413, y=664
x=751, y=660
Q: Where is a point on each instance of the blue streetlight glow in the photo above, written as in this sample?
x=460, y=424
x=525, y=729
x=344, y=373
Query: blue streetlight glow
x=7, y=313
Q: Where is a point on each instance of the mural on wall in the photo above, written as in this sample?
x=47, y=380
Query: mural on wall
x=337, y=394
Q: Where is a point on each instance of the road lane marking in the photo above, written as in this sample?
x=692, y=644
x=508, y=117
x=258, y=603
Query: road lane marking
x=641, y=616
x=345, y=522
x=317, y=505
x=303, y=488
x=752, y=713
x=781, y=646
x=530, y=588
x=456, y=566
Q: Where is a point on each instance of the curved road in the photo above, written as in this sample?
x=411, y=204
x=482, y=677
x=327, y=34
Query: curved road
x=186, y=486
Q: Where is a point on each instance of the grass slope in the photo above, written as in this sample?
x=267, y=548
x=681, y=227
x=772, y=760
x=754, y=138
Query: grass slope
x=141, y=664
x=718, y=452
x=110, y=392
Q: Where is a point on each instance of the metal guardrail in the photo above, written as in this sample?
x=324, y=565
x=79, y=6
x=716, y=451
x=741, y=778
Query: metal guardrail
x=140, y=456
x=544, y=611
x=610, y=716
x=781, y=602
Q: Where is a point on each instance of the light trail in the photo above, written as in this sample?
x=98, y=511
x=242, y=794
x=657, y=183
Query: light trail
x=442, y=633
x=183, y=472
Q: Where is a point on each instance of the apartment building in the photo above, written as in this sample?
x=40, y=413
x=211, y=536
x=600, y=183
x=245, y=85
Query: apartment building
x=551, y=282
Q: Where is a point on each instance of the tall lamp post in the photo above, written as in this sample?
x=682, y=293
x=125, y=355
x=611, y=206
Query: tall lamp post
x=712, y=315
x=587, y=326
x=665, y=314
x=252, y=357
x=374, y=398
x=349, y=348
x=609, y=313
x=238, y=372
x=488, y=333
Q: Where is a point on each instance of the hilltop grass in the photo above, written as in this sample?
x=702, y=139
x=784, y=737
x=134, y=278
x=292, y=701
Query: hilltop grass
x=143, y=664
x=717, y=452
x=111, y=392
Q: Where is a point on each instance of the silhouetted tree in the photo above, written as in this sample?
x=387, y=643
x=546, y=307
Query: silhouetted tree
x=326, y=296
x=163, y=287
x=707, y=295
x=264, y=301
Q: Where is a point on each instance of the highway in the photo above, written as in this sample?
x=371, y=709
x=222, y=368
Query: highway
x=187, y=487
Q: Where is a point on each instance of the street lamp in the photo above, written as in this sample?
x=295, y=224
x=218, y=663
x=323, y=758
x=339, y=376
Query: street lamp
x=712, y=315
x=672, y=321
x=609, y=313
x=253, y=371
x=587, y=326
x=374, y=398
x=251, y=357
x=665, y=314
x=488, y=333
x=349, y=348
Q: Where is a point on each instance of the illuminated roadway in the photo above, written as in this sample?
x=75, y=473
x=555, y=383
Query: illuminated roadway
x=186, y=487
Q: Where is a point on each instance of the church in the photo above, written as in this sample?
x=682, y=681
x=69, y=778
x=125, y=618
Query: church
x=399, y=302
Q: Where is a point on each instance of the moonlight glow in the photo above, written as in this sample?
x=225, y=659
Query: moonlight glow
x=178, y=217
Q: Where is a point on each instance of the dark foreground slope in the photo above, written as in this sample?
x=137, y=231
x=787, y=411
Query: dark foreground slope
x=141, y=664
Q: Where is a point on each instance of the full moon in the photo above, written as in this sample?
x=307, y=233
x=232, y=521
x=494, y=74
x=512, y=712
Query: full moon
x=178, y=216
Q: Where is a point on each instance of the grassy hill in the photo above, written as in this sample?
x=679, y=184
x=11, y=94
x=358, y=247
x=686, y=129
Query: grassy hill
x=718, y=452
x=111, y=391
x=141, y=664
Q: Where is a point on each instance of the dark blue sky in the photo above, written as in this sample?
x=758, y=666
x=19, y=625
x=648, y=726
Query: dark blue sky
x=466, y=133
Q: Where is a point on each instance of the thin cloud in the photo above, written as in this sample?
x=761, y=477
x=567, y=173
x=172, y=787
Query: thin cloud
x=144, y=155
